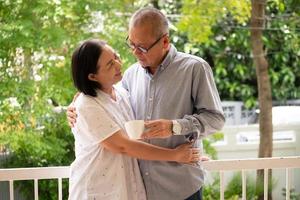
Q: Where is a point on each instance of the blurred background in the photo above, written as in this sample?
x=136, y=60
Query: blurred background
x=37, y=39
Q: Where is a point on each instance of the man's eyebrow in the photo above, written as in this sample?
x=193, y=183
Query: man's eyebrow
x=136, y=43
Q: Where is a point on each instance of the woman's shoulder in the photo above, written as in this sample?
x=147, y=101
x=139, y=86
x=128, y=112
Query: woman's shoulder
x=83, y=101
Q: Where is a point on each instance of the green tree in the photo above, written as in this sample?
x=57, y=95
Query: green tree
x=228, y=50
x=264, y=87
x=37, y=38
x=196, y=14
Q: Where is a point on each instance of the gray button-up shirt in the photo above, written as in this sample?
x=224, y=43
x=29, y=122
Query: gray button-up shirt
x=182, y=88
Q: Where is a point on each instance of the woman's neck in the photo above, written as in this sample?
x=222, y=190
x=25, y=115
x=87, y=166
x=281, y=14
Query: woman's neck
x=110, y=91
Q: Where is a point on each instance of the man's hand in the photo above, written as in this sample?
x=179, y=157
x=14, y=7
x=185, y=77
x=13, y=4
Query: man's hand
x=71, y=115
x=71, y=112
x=161, y=128
x=205, y=158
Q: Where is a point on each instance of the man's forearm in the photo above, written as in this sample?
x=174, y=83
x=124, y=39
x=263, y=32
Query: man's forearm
x=205, y=123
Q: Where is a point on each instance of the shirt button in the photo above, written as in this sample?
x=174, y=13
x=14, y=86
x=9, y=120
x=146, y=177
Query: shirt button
x=146, y=173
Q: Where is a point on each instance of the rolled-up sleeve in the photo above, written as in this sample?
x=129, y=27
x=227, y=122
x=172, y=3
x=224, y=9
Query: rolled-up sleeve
x=208, y=115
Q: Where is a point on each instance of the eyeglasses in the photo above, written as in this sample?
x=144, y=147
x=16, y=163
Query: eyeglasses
x=132, y=46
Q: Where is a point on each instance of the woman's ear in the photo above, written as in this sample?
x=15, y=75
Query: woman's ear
x=92, y=77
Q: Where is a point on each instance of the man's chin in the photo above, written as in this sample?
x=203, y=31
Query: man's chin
x=143, y=64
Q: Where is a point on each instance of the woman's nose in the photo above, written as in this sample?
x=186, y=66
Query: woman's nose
x=118, y=64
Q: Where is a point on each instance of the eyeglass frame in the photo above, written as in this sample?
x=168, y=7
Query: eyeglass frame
x=142, y=49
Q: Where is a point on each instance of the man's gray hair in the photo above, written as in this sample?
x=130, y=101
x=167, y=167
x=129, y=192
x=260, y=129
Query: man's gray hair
x=151, y=17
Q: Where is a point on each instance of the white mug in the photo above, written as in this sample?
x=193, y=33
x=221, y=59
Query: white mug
x=135, y=128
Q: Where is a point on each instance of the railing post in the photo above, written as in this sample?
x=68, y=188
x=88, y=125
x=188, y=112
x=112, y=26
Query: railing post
x=221, y=185
x=11, y=190
x=287, y=184
x=266, y=180
x=60, y=189
x=36, y=189
x=244, y=182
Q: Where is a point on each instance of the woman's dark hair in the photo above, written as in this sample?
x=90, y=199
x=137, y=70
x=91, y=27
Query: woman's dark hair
x=84, y=62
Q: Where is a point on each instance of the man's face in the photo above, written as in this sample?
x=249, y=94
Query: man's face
x=141, y=36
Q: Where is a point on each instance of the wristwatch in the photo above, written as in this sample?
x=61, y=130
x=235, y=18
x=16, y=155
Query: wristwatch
x=176, y=128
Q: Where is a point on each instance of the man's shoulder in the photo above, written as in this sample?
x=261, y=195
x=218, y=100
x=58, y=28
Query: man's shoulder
x=191, y=61
x=190, y=58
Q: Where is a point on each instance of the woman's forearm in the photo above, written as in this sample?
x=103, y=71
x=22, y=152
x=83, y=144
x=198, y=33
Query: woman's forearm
x=145, y=151
x=120, y=143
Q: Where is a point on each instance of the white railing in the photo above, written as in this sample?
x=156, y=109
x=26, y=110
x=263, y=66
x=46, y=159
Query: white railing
x=36, y=174
x=243, y=165
x=221, y=166
x=242, y=142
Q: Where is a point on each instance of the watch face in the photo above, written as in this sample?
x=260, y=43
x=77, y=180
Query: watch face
x=176, y=128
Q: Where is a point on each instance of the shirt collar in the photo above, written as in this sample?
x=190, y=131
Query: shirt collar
x=170, y=57
x=167, y=60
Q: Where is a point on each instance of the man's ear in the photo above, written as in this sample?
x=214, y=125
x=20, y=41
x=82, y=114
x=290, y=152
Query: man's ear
x=92, y=77
x=166, y=41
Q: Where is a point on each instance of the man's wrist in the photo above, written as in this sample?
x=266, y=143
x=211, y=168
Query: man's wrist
x=176, y=128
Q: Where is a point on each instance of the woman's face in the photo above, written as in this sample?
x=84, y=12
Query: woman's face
x=109, y=68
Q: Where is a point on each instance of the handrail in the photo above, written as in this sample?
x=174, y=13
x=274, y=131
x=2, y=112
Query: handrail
x=252, y=163
x=212, y=165
x=34, y=173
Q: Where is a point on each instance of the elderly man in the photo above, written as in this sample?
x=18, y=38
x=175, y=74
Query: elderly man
x=176, y=95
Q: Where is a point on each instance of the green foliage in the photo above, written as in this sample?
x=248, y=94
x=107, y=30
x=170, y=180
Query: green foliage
x=253, y=191
x=207, y=144
x=37, y=40
x=234, y=187
x=211, y=191
x=33, y=149
x=221, y=36
x=49, y=146
x=293, y=194
x=233, y=190
x=207, y=13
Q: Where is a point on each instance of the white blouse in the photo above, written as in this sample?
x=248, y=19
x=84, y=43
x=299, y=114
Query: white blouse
x=96, y=173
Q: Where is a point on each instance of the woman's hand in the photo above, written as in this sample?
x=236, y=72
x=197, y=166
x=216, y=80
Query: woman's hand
x=185, y=153
x=71, y=112
x=71, y=115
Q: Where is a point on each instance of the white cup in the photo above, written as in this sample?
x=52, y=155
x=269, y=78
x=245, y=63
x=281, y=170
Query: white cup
x=135, y=128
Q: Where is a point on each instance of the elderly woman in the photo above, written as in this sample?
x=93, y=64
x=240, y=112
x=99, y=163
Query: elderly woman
x=105, y=166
